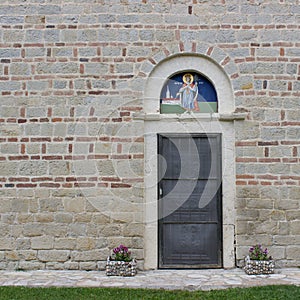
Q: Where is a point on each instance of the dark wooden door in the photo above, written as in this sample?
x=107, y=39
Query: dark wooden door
x=190, y=217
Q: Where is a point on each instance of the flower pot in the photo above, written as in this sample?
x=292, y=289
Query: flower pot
x=256, y=267
x=120, y=268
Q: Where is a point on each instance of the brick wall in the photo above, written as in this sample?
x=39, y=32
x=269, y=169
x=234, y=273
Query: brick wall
x=71, y=155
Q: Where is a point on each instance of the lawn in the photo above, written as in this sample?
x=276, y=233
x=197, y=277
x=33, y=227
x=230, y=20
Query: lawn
x=268, y=292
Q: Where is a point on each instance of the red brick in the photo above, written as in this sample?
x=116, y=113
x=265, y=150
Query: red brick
x=246, y=159
x=243, y=144
x=37, y=179
x=121, y=156
x=50, y=185
x=97, y=156
x=19, y=157
x=245, y=176
x=269, y=160
x=52, y=157
x=120, y=185
x=18, y=179
x=26, y=185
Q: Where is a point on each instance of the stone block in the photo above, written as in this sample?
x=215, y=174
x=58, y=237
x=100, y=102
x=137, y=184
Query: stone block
x=32, y=129
x=293, y=252
x=9, y=148
x=247, y=130
x=64, y=243
x=56, y=230
x=88, y=266
x=248, y=192
x=293, y=215
x=76, y=229
x=9, y=53
x=32, y=229
x=57, y=68
x=50, y=205
x=91, y=255
x=35, y=52
x=76, y=205
x=44, y=218
x=20, y=205
x=85, y=243
x=63, y=217
x=42, y=243
x=33, y=168
x=10, y=86
x=37, y=85
x=30, y=265
x=53, y=255
x=53, y=35
x=7, y=243
x=57, y=148
x=71, y=265
x=134, y=230
x=294, y=193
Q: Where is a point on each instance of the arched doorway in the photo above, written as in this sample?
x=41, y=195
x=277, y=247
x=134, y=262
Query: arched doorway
x=201, y=126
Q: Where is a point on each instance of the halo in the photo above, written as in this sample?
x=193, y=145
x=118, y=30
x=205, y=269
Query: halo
x=184, y=77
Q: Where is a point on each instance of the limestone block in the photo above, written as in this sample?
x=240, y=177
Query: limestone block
x=247, y=130
x=259, y=204
x=76, y=229
x=7, y=243
x=65, y=243
x=57, y=68
x=55, y=266
x=32, y=265
x=85, y=243
x=53, y=255
x=57, y=148
x=56, y=230
x=96, y=68
x=11, y=129
x=59, y=168
x=50, y=205
x=76, y=205
x=63, y=217
x=88, y=266
x=31, y=230
x=294, y=193
x=134, y=230
x=23, y=244
x=295, y=227
x=293, y=215
x=43, y=242
x=283, y=228
x=32, y=129
x=293, y=252
x=71, y=265
x=9, y=53
x=248, y=192
x=91, y=255
x=100, y=218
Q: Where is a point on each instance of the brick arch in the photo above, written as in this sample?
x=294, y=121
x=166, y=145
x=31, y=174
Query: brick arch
x=212, y=62
x=218, y=55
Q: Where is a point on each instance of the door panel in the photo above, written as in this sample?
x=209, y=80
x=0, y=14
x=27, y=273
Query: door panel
x=190, y=201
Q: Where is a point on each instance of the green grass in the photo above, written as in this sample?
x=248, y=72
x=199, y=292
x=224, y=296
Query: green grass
x=277, y=292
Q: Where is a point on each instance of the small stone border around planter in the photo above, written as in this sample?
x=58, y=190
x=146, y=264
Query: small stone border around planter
x=257, y=267
x=120, y=268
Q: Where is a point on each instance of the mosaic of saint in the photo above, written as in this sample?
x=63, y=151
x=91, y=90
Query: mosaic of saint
x=186, y=92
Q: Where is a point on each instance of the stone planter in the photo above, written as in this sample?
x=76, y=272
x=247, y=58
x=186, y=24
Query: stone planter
x=257, y=267
x=120, y=268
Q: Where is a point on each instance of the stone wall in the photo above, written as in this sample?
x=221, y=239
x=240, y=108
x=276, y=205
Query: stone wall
x=72, y=75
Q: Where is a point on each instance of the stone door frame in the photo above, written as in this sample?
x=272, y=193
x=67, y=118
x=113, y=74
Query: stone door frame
x=220, y=122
